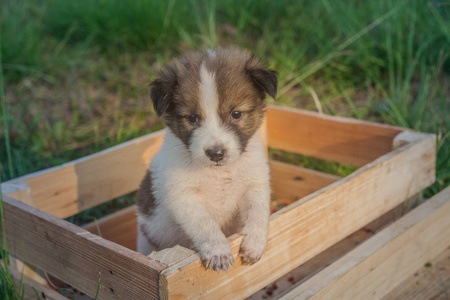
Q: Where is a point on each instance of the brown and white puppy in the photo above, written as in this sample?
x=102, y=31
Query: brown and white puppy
x=211, y=178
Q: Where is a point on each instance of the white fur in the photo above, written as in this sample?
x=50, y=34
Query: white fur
x=212, y=133
x=204, y=204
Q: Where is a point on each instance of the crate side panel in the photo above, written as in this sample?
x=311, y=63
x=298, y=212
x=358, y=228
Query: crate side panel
x=73, y=187
x=337, y=139
x=78, y=257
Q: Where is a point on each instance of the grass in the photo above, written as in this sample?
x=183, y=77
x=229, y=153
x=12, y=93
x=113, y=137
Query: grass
x=76, y=72
x=8, y=289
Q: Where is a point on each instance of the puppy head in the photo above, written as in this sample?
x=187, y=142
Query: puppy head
x=214, y=101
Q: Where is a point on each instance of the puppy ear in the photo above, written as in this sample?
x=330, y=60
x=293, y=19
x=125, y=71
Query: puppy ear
x=264, y=79
x=162, y=90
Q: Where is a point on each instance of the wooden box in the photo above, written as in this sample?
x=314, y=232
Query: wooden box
x=394, y=164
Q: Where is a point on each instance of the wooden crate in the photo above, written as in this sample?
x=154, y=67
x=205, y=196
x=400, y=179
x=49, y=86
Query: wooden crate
x=395, y=164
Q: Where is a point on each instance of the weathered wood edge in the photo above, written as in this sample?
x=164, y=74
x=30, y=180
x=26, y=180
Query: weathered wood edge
x=364, y=271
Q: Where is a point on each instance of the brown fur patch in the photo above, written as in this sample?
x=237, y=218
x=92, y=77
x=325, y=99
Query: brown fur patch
x=177, y=92
x=237, y=91
x=145, y=201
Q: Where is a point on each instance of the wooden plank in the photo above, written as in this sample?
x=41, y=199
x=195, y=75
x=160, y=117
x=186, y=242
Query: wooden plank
x=171, y=256
x=373, y=269
x=292, y=182
x=78, y=257
x=73, y=187
x=337, y=139
x=311, y=225
x=431, y=281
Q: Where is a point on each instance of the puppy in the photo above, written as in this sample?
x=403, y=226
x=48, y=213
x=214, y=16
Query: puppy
x=211, y=178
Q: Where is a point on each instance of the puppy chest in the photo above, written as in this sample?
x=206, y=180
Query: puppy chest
x=220, y=194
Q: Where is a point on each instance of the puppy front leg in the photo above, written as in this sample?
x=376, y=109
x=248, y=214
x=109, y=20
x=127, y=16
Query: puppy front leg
x=204, y=232
x=255, y=212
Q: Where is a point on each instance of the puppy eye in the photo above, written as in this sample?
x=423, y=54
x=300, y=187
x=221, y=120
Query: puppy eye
x=236, y=115
x=193, y=119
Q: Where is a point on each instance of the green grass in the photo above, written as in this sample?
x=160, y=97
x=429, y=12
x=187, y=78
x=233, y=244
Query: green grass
x=8, y=290
x=76, y=72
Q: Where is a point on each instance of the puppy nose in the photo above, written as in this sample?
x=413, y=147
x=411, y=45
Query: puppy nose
x=215, y=153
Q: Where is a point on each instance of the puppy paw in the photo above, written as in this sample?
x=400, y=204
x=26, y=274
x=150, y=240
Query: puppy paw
x=252, y=248
x=217, y=256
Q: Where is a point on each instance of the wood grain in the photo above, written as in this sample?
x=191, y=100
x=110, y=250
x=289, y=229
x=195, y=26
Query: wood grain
x=73, y=187
x=377, y=266
x=311, y=225
x=78, y=257
x=337, y=139
x=430, y=282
